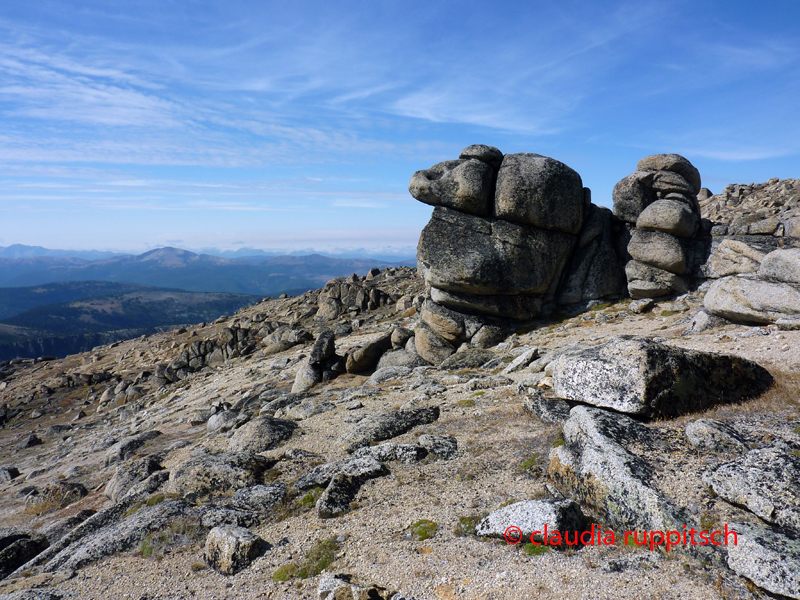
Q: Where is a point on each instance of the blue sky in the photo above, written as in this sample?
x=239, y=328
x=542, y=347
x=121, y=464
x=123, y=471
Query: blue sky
x=132, y=125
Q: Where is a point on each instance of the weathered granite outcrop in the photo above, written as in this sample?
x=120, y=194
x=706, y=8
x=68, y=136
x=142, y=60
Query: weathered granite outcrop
x=323, y=364
x=351, y=296
x=510, y=236
x=754, y=255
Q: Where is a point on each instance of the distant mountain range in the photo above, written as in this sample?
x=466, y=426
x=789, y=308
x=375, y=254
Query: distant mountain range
x=80, y=324
x=395, y=255
x=58, y=302
x=21, y=251
x=180, y=269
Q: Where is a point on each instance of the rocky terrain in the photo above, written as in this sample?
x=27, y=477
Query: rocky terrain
x=376, y=438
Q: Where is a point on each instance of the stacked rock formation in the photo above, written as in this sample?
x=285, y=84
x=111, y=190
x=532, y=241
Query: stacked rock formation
x=502, y=232
x=659, y=204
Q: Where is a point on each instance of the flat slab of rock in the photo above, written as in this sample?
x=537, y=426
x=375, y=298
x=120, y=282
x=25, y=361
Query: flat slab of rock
x=766, y=481
x=767, y=558
x=363, y=467
x=116, y=537
x=387, y=425
x=642, y=377
x=393, y=451
x=532, y=516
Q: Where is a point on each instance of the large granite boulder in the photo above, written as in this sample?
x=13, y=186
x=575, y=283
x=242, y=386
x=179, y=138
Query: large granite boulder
x=632, y=194
x=673, y=163
x=464, y=253
x=595, y=269
x=539, y=191
x=670, y=216
x=781, y=265
x=749, y=300
x=647, y=281
x=646, y=378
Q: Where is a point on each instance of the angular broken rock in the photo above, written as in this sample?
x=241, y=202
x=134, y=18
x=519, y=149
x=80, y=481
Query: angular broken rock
x=714, y=435
x=766, y=481
x=259, y=497
x=391, y=451
x=336, y=498
x=443, y=446
x=324, y=347
x=129, y=474
x=522, y=361
x=367, y=356
x=307, y=377
x=230, y=549
x=642, y=377
x=118, y=451
x=532, y=516
x=549, y=410
x=344, y=587
x=364, y=467
x=385, y=426
x=767, y=558
x=472, y=358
